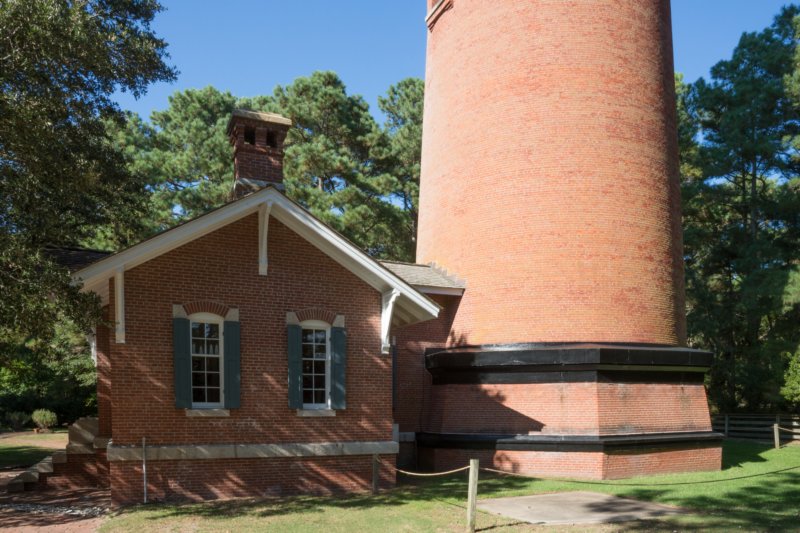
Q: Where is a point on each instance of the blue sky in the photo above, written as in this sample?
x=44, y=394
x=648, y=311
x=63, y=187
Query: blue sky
x=248, y=47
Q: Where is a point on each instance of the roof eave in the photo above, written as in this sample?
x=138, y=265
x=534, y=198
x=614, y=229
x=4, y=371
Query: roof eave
x=415, y=305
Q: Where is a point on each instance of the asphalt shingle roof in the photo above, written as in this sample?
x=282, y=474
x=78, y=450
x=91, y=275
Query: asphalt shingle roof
x=424, y=275
x=75, y=258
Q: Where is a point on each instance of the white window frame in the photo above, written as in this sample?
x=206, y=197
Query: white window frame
x=209, y=318
x=318, y=324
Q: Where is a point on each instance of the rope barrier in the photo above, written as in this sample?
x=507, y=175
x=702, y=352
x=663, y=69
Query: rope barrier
x=648, y=484
x=424, y=474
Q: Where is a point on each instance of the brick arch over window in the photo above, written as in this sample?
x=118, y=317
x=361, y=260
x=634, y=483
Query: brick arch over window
x=215, y=308
x=316, y=314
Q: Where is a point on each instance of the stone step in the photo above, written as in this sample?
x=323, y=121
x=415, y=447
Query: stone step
x=59, y=457
x=15, y=485
x=84, y=431
x=77, y=449
x=44, y=466
x=29, y=476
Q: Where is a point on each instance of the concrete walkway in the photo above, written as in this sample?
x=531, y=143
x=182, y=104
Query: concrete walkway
x=576, y=508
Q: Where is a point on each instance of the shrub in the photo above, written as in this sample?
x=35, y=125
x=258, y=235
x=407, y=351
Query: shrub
x=44, y=418
x=17, y=420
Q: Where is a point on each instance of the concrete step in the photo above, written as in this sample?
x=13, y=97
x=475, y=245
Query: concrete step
x=59, y=457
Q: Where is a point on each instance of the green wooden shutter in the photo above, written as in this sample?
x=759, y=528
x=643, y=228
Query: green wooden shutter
x=182, y=362
x=231, y=356
x=295, y=352
x=338, y=368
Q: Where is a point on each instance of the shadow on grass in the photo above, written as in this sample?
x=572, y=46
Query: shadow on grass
x=16, y=456
x=768, y=506
x=763, y=499
x=740, y=453
x=448, y=491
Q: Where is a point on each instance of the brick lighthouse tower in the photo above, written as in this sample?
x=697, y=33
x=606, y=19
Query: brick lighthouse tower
x=550, y=186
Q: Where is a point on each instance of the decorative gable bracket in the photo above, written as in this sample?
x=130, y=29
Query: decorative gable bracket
x=387, y=310
x=263, y=227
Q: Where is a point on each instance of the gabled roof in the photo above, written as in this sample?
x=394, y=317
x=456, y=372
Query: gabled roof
x=426, y=278
x=411, y=305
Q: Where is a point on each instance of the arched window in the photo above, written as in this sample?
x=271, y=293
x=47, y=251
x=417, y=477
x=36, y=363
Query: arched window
x=316, y=361
x=207, y=360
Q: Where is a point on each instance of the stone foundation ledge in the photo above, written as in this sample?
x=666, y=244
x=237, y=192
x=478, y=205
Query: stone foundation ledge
x=249, y=451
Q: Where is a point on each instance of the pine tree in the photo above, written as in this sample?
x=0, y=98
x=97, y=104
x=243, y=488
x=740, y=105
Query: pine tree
x=741, y=219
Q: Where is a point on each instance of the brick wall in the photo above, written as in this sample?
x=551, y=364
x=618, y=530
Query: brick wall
x=568, y=408
x=616, y=464
x=230, y=478
x=223, y=267
x=587, y=465
x=413, y=380
x=652, y=407
x=550, y=408
x=623, y=463
x=549, y=170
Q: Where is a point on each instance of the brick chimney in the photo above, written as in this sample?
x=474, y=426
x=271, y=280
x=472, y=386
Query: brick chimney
x=257, y=140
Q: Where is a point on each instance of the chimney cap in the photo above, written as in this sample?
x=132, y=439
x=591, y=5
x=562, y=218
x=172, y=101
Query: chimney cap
x=271, y=118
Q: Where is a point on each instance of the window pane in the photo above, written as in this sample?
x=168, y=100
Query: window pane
x=319, y=367
x=212, y=364
x=212, y=395
x=319, y=351
x=307, y=382
x=198, y=379
x=198, y=395
x=212, y=347
x=308, y=396
x=319, y=396
x=198, y=364
x=308, y=335
x=319, y=382
x=308, y=350
x=319, y=335
x=197, y=329
x=212, y=331
x=212, y=380
x=307, y=367
x=198, y=347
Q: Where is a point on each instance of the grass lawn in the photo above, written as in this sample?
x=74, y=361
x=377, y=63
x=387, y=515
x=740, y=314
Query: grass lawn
x=27, y=448
x=758, y=490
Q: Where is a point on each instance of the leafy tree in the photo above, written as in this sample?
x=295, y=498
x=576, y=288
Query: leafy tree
x=791, y=390
x=741, y=219
x=57, y=374
x=60, y=176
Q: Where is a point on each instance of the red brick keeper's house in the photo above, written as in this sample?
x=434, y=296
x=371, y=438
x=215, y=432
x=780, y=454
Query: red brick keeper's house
x=257, y=352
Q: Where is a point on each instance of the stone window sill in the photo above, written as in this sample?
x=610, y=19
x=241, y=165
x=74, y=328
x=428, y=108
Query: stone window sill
x=316, y=412
x=208, y=412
